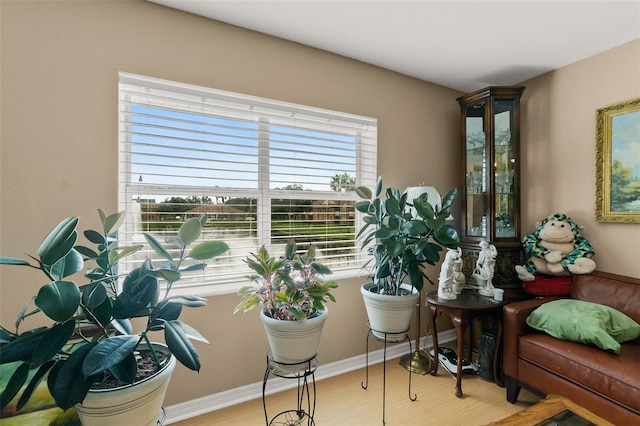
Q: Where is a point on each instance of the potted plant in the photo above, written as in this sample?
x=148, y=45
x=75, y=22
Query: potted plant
x=401, y=242
x=91, y=352
x=293, y=296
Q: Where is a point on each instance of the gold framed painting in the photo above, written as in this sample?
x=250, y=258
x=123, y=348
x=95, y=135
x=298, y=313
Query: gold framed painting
x=618, y=163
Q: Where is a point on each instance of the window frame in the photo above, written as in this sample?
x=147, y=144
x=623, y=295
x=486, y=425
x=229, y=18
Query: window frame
x=365, y=164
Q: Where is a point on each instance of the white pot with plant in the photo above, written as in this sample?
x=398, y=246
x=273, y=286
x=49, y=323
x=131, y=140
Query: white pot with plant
x=91, y=352
x=292, y=294
x=402, y=236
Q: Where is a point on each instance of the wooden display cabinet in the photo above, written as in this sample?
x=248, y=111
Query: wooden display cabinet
x=491, y=182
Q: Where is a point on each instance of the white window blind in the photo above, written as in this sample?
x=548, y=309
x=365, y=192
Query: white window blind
x=263, y=171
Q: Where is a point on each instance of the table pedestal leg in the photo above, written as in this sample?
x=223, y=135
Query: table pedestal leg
x=461, y=327
x=434, y=314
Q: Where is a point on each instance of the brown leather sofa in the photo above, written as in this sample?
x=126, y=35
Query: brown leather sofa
x=603, y=382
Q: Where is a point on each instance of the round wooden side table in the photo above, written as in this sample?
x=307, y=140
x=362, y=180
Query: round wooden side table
x=463, y=310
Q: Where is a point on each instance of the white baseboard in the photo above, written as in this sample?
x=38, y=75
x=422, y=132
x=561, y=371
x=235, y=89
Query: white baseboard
x=217, y=401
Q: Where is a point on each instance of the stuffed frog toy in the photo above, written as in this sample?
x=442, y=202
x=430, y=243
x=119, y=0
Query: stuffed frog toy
x=556, y=248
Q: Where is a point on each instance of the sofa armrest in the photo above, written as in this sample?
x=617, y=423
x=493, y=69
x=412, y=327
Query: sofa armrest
x=514, y=320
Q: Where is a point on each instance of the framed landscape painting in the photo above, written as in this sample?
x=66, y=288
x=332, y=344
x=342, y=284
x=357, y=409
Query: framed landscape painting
x=618, y=163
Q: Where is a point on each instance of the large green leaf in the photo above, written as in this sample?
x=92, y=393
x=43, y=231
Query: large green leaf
x=111, y=223
x=17, y=379
x=93, y=295
x=52, y=341
x=96, y=304
x=191, y=332
x=393, y=193
x=379, y=186
x=423, y=208
x=448, y=236
x=50, y=248
x=449, y=198
x=168, y=274
x=108, y=353
x=415, y=227
x=190, y=301
x=59, y=300
x=383, y=270
x=125, y=370
x=55, y=254
x=415, y=275
x=393, y=207
x=203, y=219
x=33, y=384
x=194, y=267
x=208, y=250
x=190, y=231
x=363, y=206
x=180, y=346
x=168, y=311
x=385, y=232
x=67, y=266
x=101, y=314
x=122, y=325
x=86, y=252
x=12, y=261
x=157, y=247
x=67, y=386
x=136, y=295
x=364, y=192
x=122, y=252
x=394, y=247
x=5, y=335
x=22, y=348
x=94, y=236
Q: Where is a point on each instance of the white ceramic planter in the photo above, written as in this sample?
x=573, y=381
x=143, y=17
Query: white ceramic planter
x=389, y=315
x=293, y=342
x=139, y=404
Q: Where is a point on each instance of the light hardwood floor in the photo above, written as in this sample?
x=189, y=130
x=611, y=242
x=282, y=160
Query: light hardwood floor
x=342, y=401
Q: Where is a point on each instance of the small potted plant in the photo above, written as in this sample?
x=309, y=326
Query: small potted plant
x=293, y=296
x=401, y=242
x=90, y=354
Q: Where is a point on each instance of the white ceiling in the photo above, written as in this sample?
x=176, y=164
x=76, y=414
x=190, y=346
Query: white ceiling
x=464, y=45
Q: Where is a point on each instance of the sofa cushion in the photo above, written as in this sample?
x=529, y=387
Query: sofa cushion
x=585, y=322
x=544, y=285
x=617, y=291
x=613, y=377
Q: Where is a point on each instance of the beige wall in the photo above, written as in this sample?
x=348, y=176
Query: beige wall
x=558, y=149
x=60, y=63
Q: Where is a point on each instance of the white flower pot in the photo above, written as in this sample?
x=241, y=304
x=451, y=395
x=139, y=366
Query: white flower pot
x=389, y=316
x=138, y=404
x=294, y=342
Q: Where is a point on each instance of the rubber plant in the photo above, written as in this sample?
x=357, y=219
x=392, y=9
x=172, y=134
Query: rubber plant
x=400, y=241
x=92, y=336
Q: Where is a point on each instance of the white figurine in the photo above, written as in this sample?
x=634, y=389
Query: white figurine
x=458, y=276
x=485, y=268
x=445, y=281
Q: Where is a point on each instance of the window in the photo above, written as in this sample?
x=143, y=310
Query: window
x=263, y=171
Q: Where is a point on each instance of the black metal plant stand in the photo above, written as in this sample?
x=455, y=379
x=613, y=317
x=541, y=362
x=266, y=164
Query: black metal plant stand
x=385, y=337
x=304, y=372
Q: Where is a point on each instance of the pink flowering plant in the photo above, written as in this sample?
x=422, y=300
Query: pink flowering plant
x=290, y=287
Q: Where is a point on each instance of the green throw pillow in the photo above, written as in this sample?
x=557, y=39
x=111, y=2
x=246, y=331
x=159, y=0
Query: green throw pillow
x=585, y=322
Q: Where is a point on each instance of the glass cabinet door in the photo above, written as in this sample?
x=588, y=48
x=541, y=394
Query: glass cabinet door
x=504, y=164
x=476, y=171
